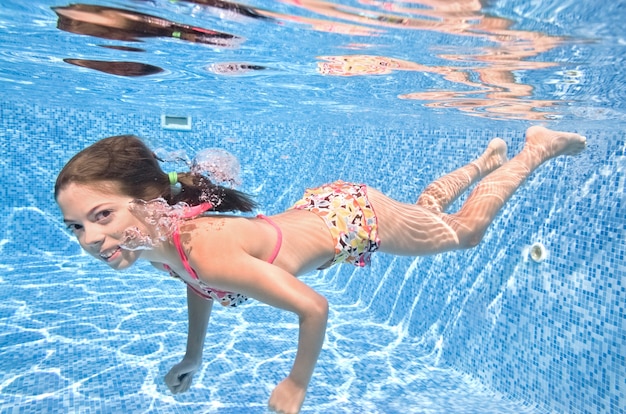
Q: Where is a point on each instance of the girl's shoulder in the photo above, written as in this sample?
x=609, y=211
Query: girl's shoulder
x=222, y=224
x=217, y=233
x=226, y=239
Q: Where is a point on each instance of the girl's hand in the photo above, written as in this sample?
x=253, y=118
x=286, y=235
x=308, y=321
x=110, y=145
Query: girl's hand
x=287, y=397
x=179, y=378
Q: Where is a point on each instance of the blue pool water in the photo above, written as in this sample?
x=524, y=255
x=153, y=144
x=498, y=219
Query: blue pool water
x=393, y=94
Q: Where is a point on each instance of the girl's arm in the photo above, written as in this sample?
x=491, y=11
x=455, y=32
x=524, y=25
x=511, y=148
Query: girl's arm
x=289, y=395
x=239, y=272
x=199, y=311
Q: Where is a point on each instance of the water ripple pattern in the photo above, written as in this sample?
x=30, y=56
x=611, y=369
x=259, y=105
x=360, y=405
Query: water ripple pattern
x=508, y=60
x=92, y=340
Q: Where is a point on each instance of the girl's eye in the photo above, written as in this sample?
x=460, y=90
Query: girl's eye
x=74, y=228
x=103, y=215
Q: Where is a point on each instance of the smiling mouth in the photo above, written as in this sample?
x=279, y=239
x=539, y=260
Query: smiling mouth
x=106, y=256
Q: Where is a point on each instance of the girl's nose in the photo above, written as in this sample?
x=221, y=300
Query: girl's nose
x=92, y=237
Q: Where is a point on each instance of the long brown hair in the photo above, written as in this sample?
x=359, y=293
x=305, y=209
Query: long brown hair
x=126, y=161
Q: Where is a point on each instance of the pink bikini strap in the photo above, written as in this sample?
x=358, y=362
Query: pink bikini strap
x=194, y=211
x=189, y=212
x=182, y=255
x=279, y=240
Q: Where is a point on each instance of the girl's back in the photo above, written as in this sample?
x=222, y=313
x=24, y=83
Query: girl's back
x=303, y=242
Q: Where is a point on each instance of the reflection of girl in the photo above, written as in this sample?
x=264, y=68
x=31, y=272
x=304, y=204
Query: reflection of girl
x=231, y=7
x=228, y=258
x=120, y=24
x=116, y=68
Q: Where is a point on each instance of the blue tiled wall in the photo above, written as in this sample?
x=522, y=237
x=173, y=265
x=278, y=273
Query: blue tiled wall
x=552, y=333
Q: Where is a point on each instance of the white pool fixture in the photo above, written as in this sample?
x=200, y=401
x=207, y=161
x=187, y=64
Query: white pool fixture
x=181, y=123
x=538, y=252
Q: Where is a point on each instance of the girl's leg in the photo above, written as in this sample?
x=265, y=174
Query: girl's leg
x=415, y=230
x=445, y=190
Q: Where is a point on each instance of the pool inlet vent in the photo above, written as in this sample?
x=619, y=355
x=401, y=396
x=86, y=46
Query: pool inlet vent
x=180, y=123
x=538, y=252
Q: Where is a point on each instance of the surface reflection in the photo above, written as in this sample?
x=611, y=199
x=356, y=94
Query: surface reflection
x=130, y=26
x=234, y=68
x=116, y=68
x=230, y=7
x=479, y=76
x=488, y=72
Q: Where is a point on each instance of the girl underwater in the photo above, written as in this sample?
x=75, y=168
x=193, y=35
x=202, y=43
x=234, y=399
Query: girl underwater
x=122, y=207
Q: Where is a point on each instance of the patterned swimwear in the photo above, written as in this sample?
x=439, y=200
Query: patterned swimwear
x=192, y=280
x=350, y=218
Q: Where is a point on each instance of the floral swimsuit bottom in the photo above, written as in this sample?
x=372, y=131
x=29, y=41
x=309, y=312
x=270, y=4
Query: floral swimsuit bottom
x=350, y=218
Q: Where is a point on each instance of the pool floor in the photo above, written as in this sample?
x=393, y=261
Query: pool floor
x=78, y=337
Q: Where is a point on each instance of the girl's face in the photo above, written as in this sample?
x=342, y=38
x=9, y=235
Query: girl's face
x=99, y=215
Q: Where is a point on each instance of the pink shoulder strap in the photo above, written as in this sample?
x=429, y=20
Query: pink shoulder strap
x=189, y=212
x=194, y=211
x=279, y=236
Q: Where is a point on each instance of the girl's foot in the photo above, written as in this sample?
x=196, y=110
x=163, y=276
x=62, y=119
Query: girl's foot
x=551, y=144
x=493, y=157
